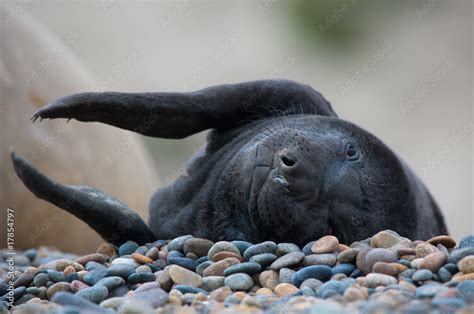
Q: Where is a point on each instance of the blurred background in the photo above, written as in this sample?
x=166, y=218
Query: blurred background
x=400, y=69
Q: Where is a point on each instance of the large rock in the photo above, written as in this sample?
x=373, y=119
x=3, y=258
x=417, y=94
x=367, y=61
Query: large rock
x=35, y=68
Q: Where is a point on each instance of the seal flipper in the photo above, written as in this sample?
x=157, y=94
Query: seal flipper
x=178, y=115
x=110, y=218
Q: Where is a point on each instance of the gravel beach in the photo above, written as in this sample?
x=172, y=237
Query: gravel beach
x=386, y=273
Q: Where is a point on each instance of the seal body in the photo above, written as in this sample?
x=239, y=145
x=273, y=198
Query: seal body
x=278, y=165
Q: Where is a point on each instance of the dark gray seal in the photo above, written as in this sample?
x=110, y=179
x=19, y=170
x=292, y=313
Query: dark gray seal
x=278, y=165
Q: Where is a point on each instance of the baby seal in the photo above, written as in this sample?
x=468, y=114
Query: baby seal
x=278, y=165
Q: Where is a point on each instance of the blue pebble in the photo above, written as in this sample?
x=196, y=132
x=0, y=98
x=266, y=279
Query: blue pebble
x=356, y=273
x=319, y=272
x=452, y=268
x=202, y=259
x=264, y=247
x=344, y=268
x=94, y=275
x=466, y=290
x=141, y=250
x=17, y=293
x=177, y=244
x=94, y=265
x=173, y=254
x=189, y=289
x=407, y=273
x=121, y=270
x=448, y=305
x=154, y=268
x=307, y=248
x=3, y=288
x=75, y=304
x=183, y=262
x=458, y=254
x=56, y=276
x=31, y=254
x=264, y=259
x=405, y=262
x=95, y=294
x=41, y=279
x=467, y=241
x=158, y=243
x=422, y=275
x=127, y=248
x=242, y=246
x=331, y=288
x=429, y=291
x=141, y=277
x=71, y=277
x=444, y=274
x=200, y=268
x=249, y=268
x=111, y=282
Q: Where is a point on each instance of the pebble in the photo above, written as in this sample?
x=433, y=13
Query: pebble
x=467, y=242
x=365, y=263
x=458, y=254
x=433, y=261
x=224, y=254
x=348, y=256
x=94, y=294
x=445, y=240
x=466, y=265
x=141, y=277
x=142, y=259
x=385, y=239
x=285, y=289
x=183, y=276
x=261, y=248
x=269, y=279
x=239, y=282
x=319, y=272
x=423, y=249
x=212, y=283
x=343, y=268
x=59, y=286
x=222, y=246
x=326, y=244
x=107, y=249
x=422, y=275
x=328, y=259
x=218, y=268
x=127, y=248
x=198, y=246
x=249, y=268
x=264, y=259
x=96, y=257
x=285, y=275
x=374, y=280
x=120, y=270
x=466, y=290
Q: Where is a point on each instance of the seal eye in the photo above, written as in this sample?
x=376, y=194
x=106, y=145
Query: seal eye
x=351, y=152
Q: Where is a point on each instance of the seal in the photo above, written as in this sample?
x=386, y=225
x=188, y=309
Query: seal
x=278, y=165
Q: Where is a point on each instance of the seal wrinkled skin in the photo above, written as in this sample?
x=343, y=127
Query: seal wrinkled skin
x=278, y=165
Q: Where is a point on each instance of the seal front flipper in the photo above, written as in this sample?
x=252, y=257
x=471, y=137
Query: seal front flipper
x=178, y=115
x=109, y=217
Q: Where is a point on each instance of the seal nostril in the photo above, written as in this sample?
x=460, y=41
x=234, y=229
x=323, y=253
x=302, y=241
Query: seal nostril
x=288, y=161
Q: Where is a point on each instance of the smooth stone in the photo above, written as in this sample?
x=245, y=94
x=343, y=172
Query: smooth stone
x=94, y=265
x=200, y=268
x=466, y=290
x=326, y=244
x=153, y=253
x=264, y=259
x=239, y=282
x=183, y=262
x=17, y=293
x=198, y=246
x=467, y=242
x=261, y=248
x=183, y=276
x=177, y=244
x=56, y=276
x=385, y=239
x=407, y=273
x=458, y=254
x=94, y=276
x=445, y=240
x=269, y=279
x=319, y=272
x=220, y=294
x=127, y=248
x=330, y=289
x=111, y=282
x=61, y=264
x=344, y=268
x=24, y=280
x=429, y=291
x=141, y=259
x=284, y=289
x=242, y=245
x=141, y=277
x=59, y=286
x=422, y=275
x=79, y=303
x=433, y=261
x=120, y=270
x=444, y=275
x=212, y=283
x=164, y=279
x=153, y=296
x=449, y=305
x=423, y=249
x=95, y=294
x=218, y=268
x=466, y=265
x=72, y=277
x=348, y=256
x=77, y=285
x=285, y=248
x=286, y=275
x=385, y=268
x=311, y=283
x=249, y=268
x=174, y=254
x=125, y=260
x=106, y=249
x=374, y=280
x=452, y=268
x=145, y=269
x=307, y=248
x=202, y=259
x=374, y=256
x=328, y=259
x=224, y=254
x=222, y=246
x=95, y=257
x=41, y=279
x=189, y=289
